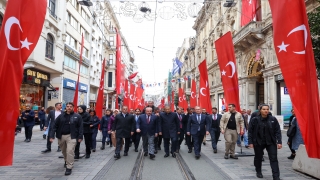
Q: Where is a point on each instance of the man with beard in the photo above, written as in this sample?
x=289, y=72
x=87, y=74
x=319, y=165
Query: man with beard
x=136, y=136
x=86, y=132
x=28, y=121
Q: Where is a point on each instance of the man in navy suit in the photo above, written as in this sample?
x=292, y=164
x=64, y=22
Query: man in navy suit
x=169, y=128
x=198, y=126
x=147, y=126
x=214, y=128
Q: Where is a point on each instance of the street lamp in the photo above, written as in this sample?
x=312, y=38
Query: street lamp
x=85, y=3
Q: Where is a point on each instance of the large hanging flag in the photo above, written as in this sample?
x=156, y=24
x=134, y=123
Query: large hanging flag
x=181, y=102
x=21, y=28
x=177, y=65
x=76, y=93
x=193, y=95
x=138, y=98
x=99, y=103
x=293, y=47
x=133, y=75
x=126, y=94
x=172, y=101
x=228, y=69
x=204, y=91
x=131, y=96
x=248, y=11
x=120, y=67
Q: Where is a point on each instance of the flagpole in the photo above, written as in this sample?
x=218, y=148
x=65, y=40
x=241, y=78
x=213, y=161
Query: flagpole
x=76, y=94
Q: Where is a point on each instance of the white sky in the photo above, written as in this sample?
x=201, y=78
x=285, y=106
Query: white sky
x=169, y=36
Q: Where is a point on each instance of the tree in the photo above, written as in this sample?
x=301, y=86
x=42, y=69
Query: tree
x=314, y=23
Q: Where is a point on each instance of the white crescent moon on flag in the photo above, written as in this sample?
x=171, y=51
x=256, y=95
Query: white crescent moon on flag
x=125, y=94
x=131, y=97
x=202, y=92
x=233, y=68
x=184, y=97
x=7, y=27
x=304, y=29
x=180, y=99
x=192, y=95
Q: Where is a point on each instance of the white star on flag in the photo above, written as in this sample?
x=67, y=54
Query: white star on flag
x=223, y=73
x=25, y=44
x=283, y=47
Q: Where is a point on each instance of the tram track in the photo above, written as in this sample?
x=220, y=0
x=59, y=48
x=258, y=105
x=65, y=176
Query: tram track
x=136, y=173
x=184, y=168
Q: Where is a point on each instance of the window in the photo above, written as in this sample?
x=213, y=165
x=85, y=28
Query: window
x=111, y=40
x=72, y=21
x=84, y=70
x=85, y=33
x=85, y=52
x=75, y=4
x=69, y=62
x=110, y=59
x=68, y=17
x=71, y=42
x=49, y=47
x=109, y=79
x=52, y=8
x=1, y=19
x=85, y=16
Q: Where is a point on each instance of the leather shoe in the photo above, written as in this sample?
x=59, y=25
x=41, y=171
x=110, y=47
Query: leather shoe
x=146, y=154
x=215, y=151
x=117, y=156
x=197, y=156
x=47, y=150
x=68, y=172
x=173, y=155
x=259, y=175
x=226, y=156
x=87, y=156
x=44, y=136
x=125, y=154
x=136, y=150
x=152, y=156
x=234, y=157
x=190, y=151
x=28, y=140
x=292, y=156
x=204, y=143
x=166, y=155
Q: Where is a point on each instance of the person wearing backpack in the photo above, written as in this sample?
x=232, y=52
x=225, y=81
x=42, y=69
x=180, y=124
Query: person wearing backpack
x=264, y=133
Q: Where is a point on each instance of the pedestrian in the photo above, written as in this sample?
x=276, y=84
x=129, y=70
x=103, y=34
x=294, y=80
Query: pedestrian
x=264, y=133
x=204, y=141
x=94, y=128
x=42, y=118
x=68, y=128
x=87, y=133
x=147, y=127
x=28, y=121
x=132, y=111
x=150, y=104
x=169, y=128
x=181, y=118
x=214, y=126
x=296, y=139
x=52, y=115
x=157, y=140
x=231, y=124
x=198, y=126
x=110, y=125
x=124, y=126
x=136, y=136
x=189, y=140
x=104, y=128
x=293, y=152
x=244, y=137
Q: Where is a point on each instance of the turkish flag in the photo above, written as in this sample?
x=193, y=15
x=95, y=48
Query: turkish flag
x=172, y=101
x=99, y=103
x=133, y=75
x=131, y=96
x=181, y=103
x=138, y=98
x=228, y=69
x=76, y=96
x=193, y=95
x=204, y=91
x=120, y=67
x=126, y=94
x=248, y=11
x=21, y=28
x=293, y=47
x=162, y=103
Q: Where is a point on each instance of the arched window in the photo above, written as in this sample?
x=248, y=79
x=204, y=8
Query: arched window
x=49, y=47
x=1, y=19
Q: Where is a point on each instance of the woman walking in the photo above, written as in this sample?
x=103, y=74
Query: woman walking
x=104, y=128
x=94, y=128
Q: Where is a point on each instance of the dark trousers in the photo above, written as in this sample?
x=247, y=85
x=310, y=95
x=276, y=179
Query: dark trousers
x=48, y=143
x=197, y=141
x=272, y=153
x=28, y=131
x=119, y=144
x=215, y=134
x=136, y=139
x=94, y=139
x=180, y=138
x=77, y=149
x=42, y=123
x=87, y=141
x=189, y=141
x=105, y=136
x=158, y=141
x=173, y=144
x=290, y=146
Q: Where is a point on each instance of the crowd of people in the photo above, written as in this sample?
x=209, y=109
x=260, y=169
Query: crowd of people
x=126, y=127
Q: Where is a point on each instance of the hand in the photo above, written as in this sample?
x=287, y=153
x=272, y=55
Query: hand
x=138, y=130
x=178, y=132
x=91, y=125
x=160, y=133
x=51, y=140
x=251, y=145
x=79, y=140
x=222, y=131
x=207, y=133
x=188, y=133
x=45, y=128
x=24, y=118
x=156, y=135
x=279, y=146
x=241, y=133
x=109, y=132
x=132, y=133
x=26, y=113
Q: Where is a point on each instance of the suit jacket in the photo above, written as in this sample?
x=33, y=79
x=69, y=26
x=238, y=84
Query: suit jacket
x=51, y=117
x=124, y=125
x=225, y=119
x=218, y=118
x=29, y=118
x=151, y=128
x=193, y=124
x=169, y=125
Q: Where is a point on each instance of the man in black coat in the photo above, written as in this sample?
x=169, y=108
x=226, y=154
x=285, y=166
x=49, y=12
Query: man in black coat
x=169, y=128
x=185, y=124
x=181, y=118
x=150, y=104
x=124, y=126
x=214, y=126
x=28, y=122
x=198, y=126
x=86, y=132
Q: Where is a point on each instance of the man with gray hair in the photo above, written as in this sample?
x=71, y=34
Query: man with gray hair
x=28, y=121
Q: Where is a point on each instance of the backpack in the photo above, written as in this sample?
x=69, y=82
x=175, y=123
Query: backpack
x=292, y=130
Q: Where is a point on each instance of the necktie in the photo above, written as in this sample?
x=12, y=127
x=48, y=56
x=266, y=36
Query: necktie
x=199, y=120
x=214, y=117
x=180, y=121
x=148, y=121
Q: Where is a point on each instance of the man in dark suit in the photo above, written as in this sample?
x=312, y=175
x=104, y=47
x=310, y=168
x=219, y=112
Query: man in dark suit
x=169, y=128
x=147, y=126
x=182, y=131
x=185, y=124
x=214, y=128
x=198, y=126
x=136, y=136
x=124, y=126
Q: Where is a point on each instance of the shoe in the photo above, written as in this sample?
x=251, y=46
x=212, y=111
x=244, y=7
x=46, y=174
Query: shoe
x=155, y=151
x=248, y=147
x=44, y=136
x=204, y=143
x=234, y=157
x=226, y=156
x=87, y=156
x=68, y=172
x=166, y=155
x=102, y=147
x=152, y=156
x=215, y=151
x=291, y=156
x=262, y=158
x=197, y=156
x=259, y=175
x=93, y=150
x=117, y=156
x=65, y=165
x=47, y=150
x=177, y=151
x=76, y=157
x=136, y=150
x=108, y=142
x=190, y=151
x=58, y=150
x=174, y=155
x=276, y=178
x=125, y=154
x=28, y=140
x=146, y=154
x=25, y=140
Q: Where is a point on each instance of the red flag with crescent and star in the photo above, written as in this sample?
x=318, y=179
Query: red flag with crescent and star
x=228, y=69
x=204, y=91
x=138, y=98
x=172, y=101
x=76, y=92
x=21, y=28
x=131, y=96
x=181, y=102
x=292, y=43
x=119, y=65
x=193, y=95
x=126, y=94
x=248, y=11
x=99, y=103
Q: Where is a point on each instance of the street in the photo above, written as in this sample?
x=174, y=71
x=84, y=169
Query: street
x=30, y=163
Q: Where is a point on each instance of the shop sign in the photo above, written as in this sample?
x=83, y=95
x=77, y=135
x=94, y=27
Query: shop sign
x=83, y=87
x=278, y=77
x=33, y=76
x=71, y=84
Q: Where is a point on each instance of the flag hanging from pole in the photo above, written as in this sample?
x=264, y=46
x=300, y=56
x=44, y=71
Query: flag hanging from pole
x=204, y=91
x=193, y=95
x=76, y=93
x=99, y=103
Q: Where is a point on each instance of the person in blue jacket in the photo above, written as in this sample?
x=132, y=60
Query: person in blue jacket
x=94, y=128
x=28, y=121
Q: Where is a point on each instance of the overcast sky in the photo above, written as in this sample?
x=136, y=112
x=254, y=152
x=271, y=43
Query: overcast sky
x=169, y=35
